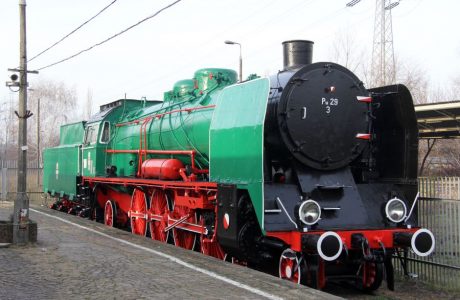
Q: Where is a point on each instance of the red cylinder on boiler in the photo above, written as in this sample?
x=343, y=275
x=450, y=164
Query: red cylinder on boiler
x=167, y=169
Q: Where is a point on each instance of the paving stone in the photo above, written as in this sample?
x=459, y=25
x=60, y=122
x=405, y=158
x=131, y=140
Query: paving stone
x=73, y=262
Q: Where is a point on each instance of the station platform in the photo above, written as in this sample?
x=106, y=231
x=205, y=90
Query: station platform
x=78, y=258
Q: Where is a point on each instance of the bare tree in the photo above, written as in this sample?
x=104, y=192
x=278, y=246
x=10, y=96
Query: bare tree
x=9, y=135
x=456, y=87
x=58, y=104
x=346, y=51
x=425, y=154
x=443, y=157
x=414, y=78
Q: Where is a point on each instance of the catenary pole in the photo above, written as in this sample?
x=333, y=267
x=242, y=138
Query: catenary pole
x=21, y=204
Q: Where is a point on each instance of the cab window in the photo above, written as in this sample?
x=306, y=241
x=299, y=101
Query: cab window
x=91, y=134
x=105, y=134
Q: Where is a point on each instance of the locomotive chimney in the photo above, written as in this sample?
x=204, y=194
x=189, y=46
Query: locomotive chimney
x=297, y=53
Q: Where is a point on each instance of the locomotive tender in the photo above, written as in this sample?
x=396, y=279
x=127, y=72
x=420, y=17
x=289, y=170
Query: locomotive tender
x=305, y=174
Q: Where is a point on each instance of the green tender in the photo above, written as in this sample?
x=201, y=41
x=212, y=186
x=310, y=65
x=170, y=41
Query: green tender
x=236, y=139
x=62, y=163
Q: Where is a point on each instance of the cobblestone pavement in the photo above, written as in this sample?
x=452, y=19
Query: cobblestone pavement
x=98, y=263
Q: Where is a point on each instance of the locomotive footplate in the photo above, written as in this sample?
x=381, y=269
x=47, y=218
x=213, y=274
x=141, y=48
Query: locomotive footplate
x=331, y=245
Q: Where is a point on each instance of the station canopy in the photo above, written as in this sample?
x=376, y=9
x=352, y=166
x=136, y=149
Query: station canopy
x=439, y=120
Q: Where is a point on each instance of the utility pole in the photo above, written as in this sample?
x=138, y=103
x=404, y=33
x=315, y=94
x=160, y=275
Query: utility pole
x=21, y=204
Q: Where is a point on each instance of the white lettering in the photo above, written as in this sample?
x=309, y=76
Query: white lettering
x=329, y=103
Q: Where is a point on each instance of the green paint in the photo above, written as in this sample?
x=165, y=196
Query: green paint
x=236, y=147
x=71, y=134
x=210, y=78
x=179, y=130
x=183, y=90
x=62, y=163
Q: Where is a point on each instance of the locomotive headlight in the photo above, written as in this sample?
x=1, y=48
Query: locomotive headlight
x=395, y=210
x=309, y=212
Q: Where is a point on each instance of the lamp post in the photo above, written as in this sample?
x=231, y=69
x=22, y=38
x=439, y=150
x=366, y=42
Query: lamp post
x=241, y=57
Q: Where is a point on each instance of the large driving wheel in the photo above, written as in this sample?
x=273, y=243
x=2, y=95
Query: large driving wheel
x=159, y=211
x=210, y=246
x=182, y=237
x=138, y=213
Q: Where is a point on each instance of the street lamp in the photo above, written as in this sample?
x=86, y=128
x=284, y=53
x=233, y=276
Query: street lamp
x=241, y=58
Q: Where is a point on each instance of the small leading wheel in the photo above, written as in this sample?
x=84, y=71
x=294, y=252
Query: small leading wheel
x=372, y=275
x=138, y=213
x=110, y=213
x=210, y=246
x=159, y=211
x=183, y=238
x=289, y=268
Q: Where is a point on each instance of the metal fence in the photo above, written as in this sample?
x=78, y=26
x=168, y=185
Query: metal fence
x=447, y=188
x=439, y=211
x=8, y=182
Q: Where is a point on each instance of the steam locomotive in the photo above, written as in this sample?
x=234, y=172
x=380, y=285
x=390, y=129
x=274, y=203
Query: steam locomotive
x=305, y=174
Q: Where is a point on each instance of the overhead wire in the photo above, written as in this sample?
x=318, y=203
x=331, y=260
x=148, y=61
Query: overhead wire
x=213, y=52
x=202, y=44
x=73, y=31
x=111, y=37
x=182, y=66
x=218, y=36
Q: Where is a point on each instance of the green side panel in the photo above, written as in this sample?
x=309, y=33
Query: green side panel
x=60, y=170
x=236, y=139
x=72, y=133
x=93, y=161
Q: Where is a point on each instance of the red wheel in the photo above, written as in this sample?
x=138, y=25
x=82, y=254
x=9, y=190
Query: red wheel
x=159, y=211
x=109, y=213
x=289, y=268
x=210, y=246
x=138, y=213
x=372, y=275
x=183, y=238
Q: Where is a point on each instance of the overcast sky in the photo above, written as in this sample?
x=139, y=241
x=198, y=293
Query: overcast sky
x=147, y=60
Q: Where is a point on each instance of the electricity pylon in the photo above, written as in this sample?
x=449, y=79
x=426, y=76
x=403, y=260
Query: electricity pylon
x=383, y=59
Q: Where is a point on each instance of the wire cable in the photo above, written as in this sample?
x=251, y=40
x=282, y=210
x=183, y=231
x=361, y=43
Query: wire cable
x=73, y=31
x=112, y=37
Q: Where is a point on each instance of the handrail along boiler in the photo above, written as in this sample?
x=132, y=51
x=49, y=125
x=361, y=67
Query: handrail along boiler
x=305, y=174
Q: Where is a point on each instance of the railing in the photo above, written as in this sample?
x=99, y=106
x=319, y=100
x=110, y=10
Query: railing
x=439, y=211
x=8, y=180
x=440, y=187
